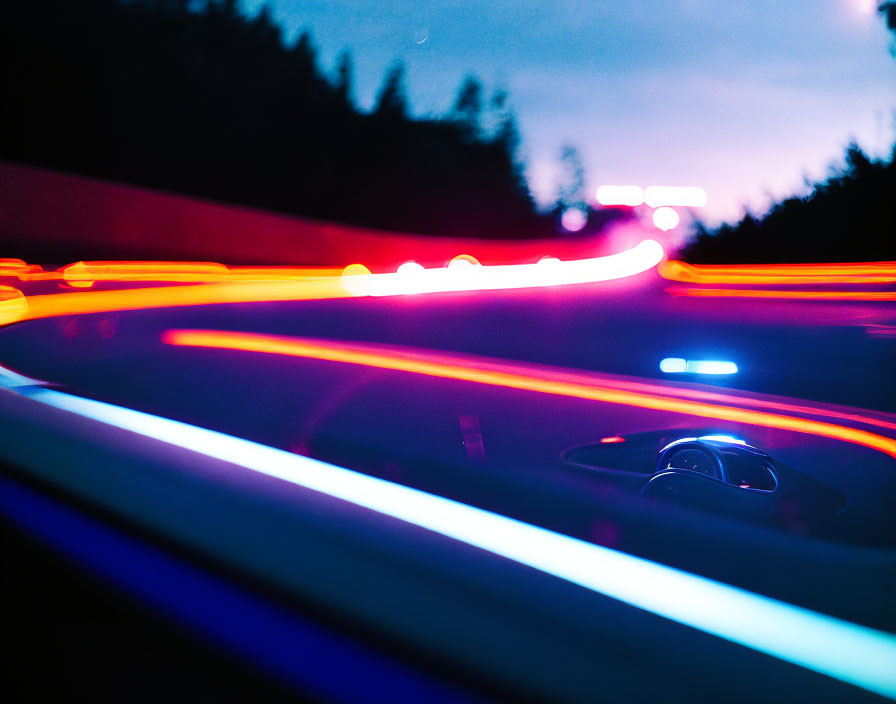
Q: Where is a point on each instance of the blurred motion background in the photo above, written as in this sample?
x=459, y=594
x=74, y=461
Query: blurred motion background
x=483, y=119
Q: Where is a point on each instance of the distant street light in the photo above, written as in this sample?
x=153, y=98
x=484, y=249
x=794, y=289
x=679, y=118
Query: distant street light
x=659, y=197
x=683, y=196
x=573, y=219
x=665, y=218
x=620, y=195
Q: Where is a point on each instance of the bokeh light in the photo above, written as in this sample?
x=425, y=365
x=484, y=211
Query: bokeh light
x=410, y=269
x=463, y=261
x=665, y=218
x=355, y=270
x=573, y=219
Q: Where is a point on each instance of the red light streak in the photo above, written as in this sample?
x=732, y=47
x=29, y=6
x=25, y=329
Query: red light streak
x=514, y=377
x=612, y=439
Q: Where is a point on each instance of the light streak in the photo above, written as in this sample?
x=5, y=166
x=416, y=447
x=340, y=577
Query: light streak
x=673, y=365
x=506, y=376
x=640, y=258
x=612, y=439
x=186, y=272
x=677, y=365
x=793, y=295
x=852, y=653
x=620, y=195
x=17, y=267
x=85, y=274
x=680, y=392
x=711, y=367
x=50, y=305
x=13, y=305
x=865, y=273
x=10, y=293
x=684, y=196
x=355, y=280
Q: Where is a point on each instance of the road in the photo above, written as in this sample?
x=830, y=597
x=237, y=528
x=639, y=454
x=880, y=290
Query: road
x=829, y=351
x=826, y=352
x=478, y=396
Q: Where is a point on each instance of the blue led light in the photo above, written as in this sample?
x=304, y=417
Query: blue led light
x=673, y=365
x=678, y=365
x=710, y=367
x=852, y=653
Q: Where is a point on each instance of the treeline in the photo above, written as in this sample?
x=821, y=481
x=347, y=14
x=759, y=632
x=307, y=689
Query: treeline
x=851, y=216
x=193, y=97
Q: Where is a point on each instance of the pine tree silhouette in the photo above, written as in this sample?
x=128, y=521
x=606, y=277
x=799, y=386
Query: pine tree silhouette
x=194, y=97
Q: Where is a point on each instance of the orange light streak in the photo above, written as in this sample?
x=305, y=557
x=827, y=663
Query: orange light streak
x=15, y=267
x=38, y=275
x=465, y=370
x=55, y=304
x=674, y=391
x=13, y=304
x=865, y=273
x=248, y=284
x=794, y=295
x=8, y=293
x=86, y=273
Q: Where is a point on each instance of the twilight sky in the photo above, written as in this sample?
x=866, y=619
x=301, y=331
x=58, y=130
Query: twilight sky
x=743, y=98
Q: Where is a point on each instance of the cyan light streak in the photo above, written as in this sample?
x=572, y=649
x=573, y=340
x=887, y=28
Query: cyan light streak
x=673, y=365
x=849, y=652
x=710, y=367
x=678, y=365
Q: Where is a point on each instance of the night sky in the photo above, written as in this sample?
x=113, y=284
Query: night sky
x=742, y=98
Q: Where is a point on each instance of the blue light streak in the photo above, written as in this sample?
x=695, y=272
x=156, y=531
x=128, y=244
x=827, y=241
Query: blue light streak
x=849, y=652
x=710, y=367
x=673, y=365
x=678, y=365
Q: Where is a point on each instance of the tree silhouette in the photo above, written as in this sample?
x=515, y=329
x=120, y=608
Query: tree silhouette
x=850, y=216
x=571, y=191
x=193, y=97
x=344, y=78
x=391, y=102
x=467, y=109
x=888, y=10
